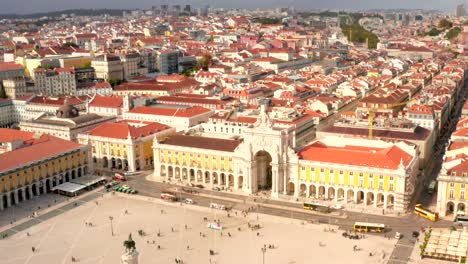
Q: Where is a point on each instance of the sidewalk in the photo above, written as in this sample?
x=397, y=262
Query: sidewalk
x=23, y=213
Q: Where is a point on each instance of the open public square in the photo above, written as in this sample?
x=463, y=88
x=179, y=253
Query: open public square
x=93, y=232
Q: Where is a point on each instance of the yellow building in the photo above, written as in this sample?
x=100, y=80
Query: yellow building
x=452, y=186
x=32, y=165
x=332, y=169
x=125, y=145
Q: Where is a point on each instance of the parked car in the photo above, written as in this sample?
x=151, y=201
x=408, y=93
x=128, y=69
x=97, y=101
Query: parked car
x=188, y=201
x=415, y=234
x=337, y=206
x=398, y=235
x=216, y=189
x=200, y=186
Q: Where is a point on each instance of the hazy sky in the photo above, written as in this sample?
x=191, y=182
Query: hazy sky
x=33, y=6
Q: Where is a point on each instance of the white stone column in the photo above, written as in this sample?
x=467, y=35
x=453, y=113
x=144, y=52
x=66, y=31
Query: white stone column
x=285, y=185
x=296, y=188
x=385, y=201
x=15, y=196
x=1, y=205
x=345, y=196
x=307, y=191
x=355, y=198
x=131, y=158
x=335, y=195
x=375, y=200
x=236, y=182
x=9, y=199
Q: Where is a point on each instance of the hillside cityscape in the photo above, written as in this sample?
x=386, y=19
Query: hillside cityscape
x=188, y=134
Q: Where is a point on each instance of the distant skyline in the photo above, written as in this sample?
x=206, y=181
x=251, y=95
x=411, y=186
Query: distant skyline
x=36, y=6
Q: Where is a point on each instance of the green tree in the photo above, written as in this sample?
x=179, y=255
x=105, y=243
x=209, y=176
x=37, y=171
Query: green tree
x=115, y=82
x=205, y=61
x=2, y=93
x=356, y=33
x=86, y=65
x=453, y=33
x=445, y=24
x=433, y=32
x=70, y=44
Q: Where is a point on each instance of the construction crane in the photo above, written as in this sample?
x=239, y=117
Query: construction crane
x=373, y=110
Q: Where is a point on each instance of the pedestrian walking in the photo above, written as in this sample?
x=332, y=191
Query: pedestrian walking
x=33, y=249
x=229, y=234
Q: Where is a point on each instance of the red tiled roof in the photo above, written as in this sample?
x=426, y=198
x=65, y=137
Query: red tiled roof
x=203, y=142
x=56, y=101
x=176, y=112
x=8, y=135
x=8, y=66
x=107, y=101
x=122, y=130
x=36, y=149
x=369, y=157
x=459, y=169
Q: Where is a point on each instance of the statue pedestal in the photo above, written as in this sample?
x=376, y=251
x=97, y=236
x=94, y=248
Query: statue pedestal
x=129, y=258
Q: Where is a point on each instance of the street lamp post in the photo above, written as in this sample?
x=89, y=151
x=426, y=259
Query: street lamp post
x=263, y=249
x=112, y=227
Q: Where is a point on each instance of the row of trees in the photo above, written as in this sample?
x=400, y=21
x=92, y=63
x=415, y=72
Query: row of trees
x=356, y=33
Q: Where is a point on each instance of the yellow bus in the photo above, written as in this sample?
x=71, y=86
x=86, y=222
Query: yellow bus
x=419, y=210
x=368, y=227
x=317, y=207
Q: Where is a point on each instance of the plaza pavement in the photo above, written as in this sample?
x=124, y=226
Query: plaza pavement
x=64, y=236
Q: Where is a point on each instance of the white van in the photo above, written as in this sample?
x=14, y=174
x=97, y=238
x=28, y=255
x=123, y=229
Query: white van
x=217, y=206
x=130, y=173
x=215, y=226
x=188, y=201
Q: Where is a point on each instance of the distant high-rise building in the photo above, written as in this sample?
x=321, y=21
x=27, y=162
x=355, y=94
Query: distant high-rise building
x=461, y=10
x=187, y=8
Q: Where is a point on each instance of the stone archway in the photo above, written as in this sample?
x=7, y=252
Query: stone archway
x=170, y=172
x=312, y=191
x=20, y=195
x=231, y=180
x=240, y=182
x=192, y=175
x=390, y=201
x=360, y=196
x=331, y=193
x=34, y=189
x=291, y=187
x=184, y=174
x=177, y=173
x=207, y=177
x=461, y=208
x=321, y=192
x=105, y=162
x=370, y=198
x=380, y=199
x=162, y=172
x=199, y=176
x=264, y=174
x=215, y=178
x=450, y=208
x=303, y=190
x=340, y=194
x=5, y=201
